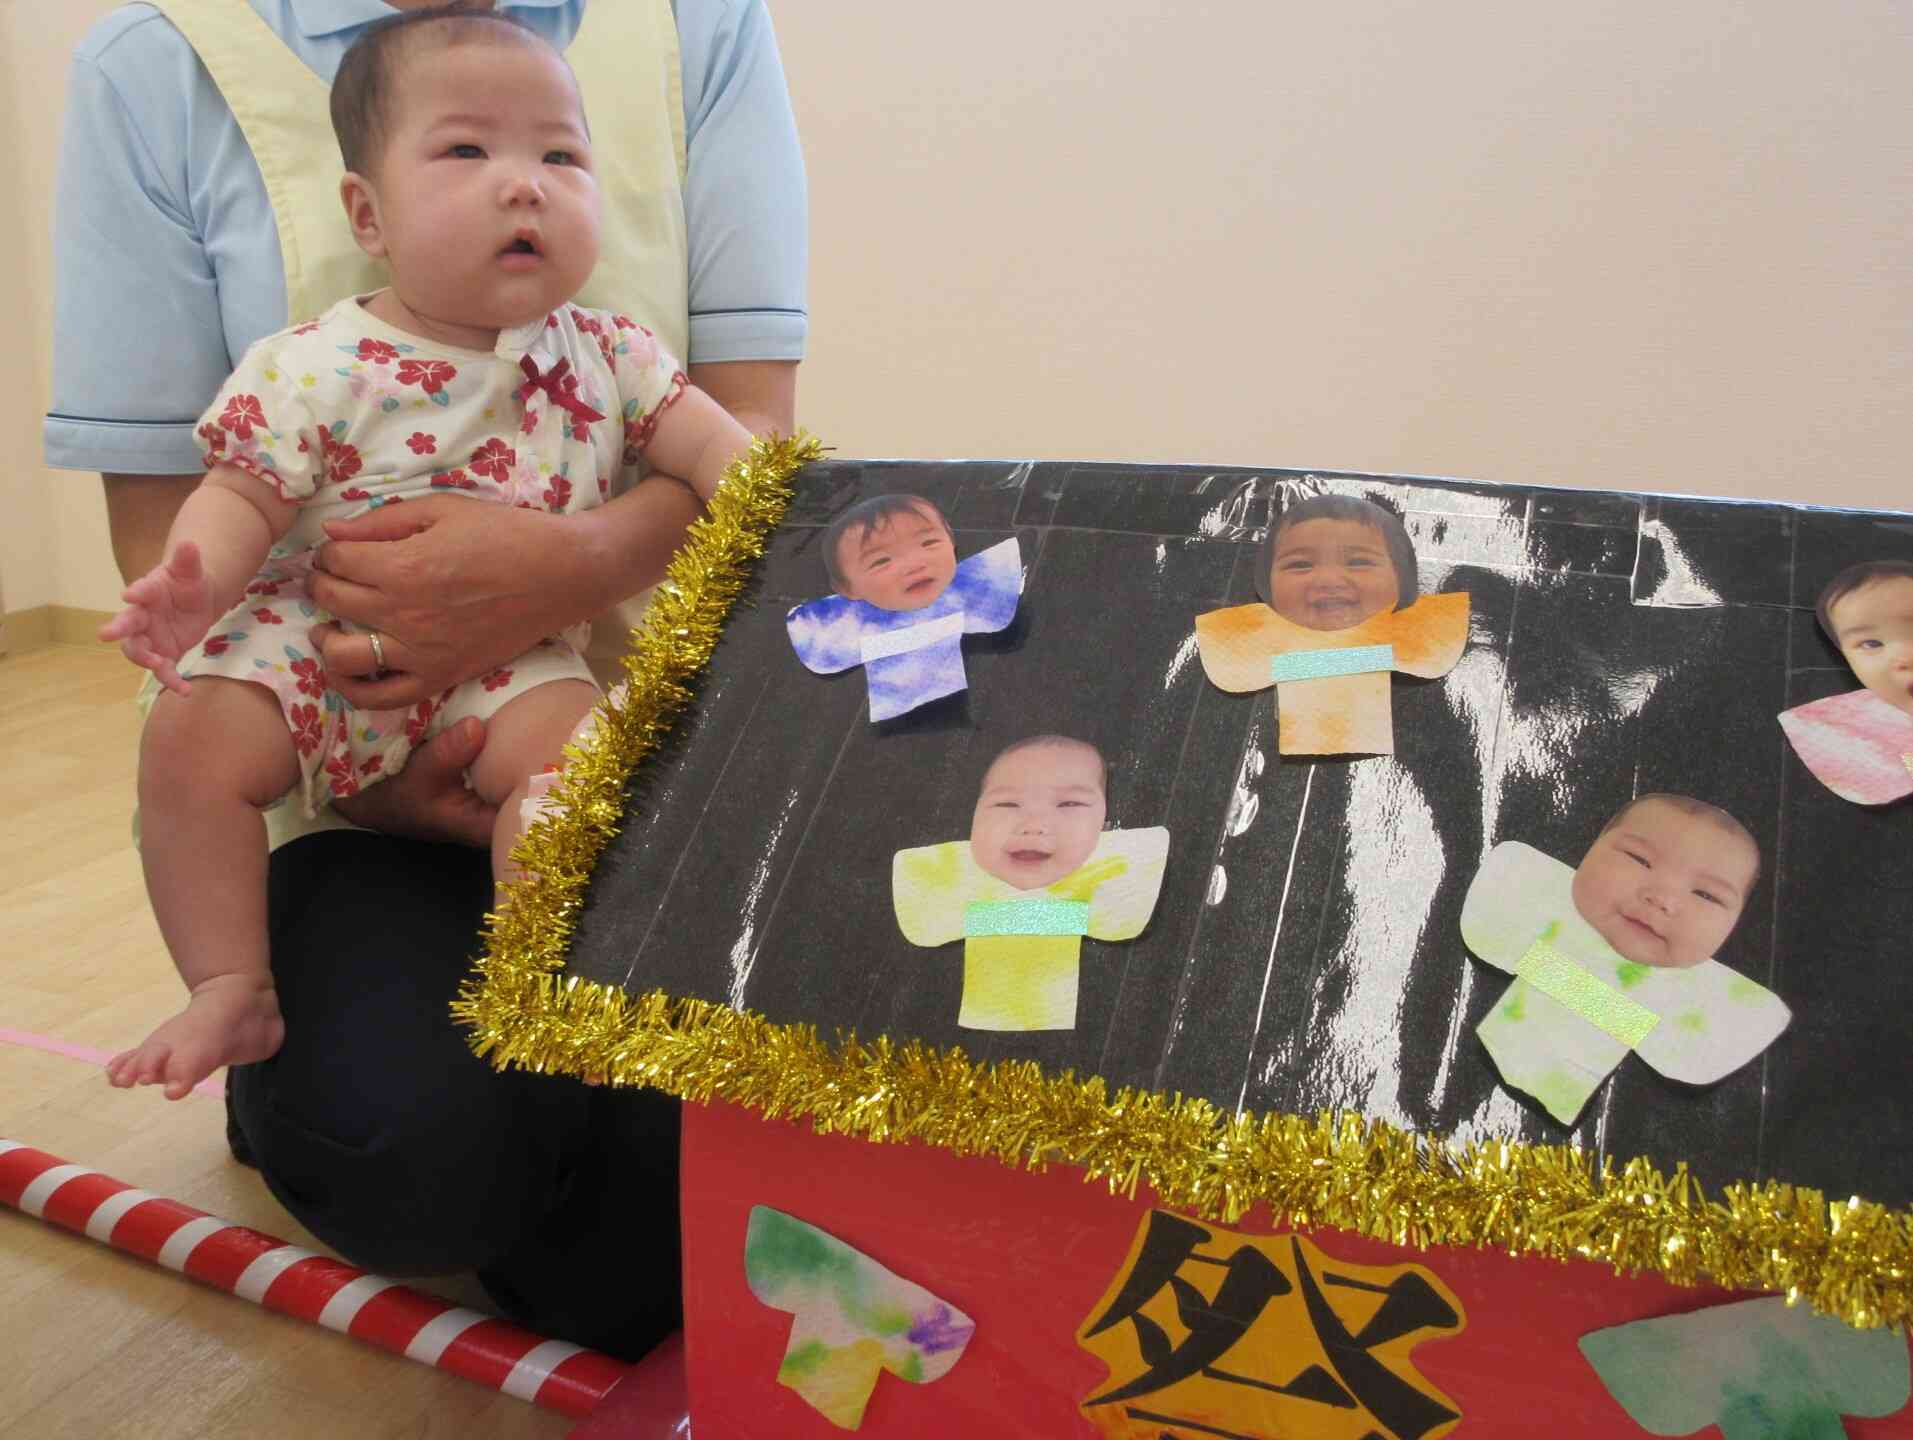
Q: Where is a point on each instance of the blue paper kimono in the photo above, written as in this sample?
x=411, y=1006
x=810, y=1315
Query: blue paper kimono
x=911, y=656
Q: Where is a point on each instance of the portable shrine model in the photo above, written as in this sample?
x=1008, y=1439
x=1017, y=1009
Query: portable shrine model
x=1169, y=952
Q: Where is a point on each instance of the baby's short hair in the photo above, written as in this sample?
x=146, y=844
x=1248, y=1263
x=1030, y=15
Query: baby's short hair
x=1364, y=512
x=867, y=515
x=1700, y=809
x=1063, y=742
x=367, y=80
x=1857, y=577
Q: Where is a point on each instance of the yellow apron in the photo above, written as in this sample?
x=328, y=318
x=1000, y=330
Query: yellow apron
x=637, y=149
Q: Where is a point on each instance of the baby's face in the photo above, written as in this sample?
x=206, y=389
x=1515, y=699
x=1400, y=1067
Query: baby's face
x=1331, y=574
x=487, y=202
x=902, y=563
x=1663, y=887
x=1039, y=815
x=1874, y=627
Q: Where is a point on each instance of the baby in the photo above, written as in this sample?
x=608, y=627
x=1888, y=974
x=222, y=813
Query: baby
x=1860, y=744
x=1038, y=874
x=903, y=604
x=1340, y=612
x=470, y=175
x=1618, y=953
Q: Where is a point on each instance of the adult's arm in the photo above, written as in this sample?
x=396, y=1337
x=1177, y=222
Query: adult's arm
x=456, y=587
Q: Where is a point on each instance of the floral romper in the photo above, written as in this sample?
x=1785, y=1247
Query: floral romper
x=346, y=414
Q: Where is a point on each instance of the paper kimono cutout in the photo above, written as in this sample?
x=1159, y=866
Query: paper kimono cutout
x=1759, y=1369
x=1860, y=745
x=1037, y=874
x=1022, y=950
x=854, y=1319
x=1332, y=686
x=1577, y=1006
x=1212, y=1332
x=1857, y=745
x=903, y=604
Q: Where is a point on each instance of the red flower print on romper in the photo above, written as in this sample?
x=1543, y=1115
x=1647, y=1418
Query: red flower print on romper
x=344, y=782
x=420, y=717
x=529, y=423
x=341, y=460
x=558, y=493
x=241, y=414
x=263, y=587
x=379, y=352
x=372, y=766
x=267, y=617
x=586, y=324
x=308, y=729
x=499, y=678
x=494, y=459
x=311, y=677
x=454, y=480
x=217, y=645
x=215, y=439
x=355, y=493
x=422, y=444
x=431, y=376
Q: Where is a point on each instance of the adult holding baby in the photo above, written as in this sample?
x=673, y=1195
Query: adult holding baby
x=199, y=210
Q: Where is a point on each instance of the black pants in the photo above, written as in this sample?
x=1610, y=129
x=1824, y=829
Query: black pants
x=382, y=1133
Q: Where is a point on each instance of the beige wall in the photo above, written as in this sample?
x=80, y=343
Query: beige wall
x=53, y=545
x=1661, y=247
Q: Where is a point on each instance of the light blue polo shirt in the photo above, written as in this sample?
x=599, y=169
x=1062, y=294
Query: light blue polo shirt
x=167, y=255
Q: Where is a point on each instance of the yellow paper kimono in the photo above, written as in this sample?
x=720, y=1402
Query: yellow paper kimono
x=1022, y=948
x=1332, y=686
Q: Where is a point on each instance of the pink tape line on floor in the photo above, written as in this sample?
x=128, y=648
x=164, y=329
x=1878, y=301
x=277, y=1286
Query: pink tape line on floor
x=30, y=1041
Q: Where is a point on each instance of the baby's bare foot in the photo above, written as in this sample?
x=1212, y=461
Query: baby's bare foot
x=230, y=1020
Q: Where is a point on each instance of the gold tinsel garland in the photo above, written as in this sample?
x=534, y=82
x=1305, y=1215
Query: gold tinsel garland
x=1852, y=1259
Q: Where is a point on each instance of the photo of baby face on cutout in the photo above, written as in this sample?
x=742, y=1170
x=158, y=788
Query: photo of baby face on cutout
x=1339, y=615
x=1040, y=812
x=1332, y=561
x=1617, y=953
x=1860, y=744
x=902, y=602
x=895, y=552
x=1665, y=882
x=1038, y=873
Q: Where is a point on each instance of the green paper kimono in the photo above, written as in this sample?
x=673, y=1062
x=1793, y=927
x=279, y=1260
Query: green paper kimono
x=1022, y=949
x=1759, y=1369
x=1576, y=1007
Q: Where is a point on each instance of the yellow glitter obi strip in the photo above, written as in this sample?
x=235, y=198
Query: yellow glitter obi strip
x=1851, y=1258
x=1586, y=994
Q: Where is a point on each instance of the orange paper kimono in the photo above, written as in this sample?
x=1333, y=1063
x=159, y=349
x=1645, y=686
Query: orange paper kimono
x=1332, y=686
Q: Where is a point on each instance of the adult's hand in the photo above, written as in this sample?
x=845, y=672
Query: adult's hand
x=455, y=587
x=428, y=799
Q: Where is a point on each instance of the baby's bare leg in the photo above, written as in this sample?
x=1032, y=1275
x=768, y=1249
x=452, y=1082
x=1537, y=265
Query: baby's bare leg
x=209, y=762
x=528, y=733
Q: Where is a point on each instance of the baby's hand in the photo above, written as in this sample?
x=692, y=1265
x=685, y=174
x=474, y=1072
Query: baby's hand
x=168, y=610
x=231, y=1020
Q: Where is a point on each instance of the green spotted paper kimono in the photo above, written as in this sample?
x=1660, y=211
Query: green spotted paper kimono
x=1576, y=1007
x=1022, y=949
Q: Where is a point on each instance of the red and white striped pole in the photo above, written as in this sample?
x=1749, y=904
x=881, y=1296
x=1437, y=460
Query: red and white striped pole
x=302, y=1283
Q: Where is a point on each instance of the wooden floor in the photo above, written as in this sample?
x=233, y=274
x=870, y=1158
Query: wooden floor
x=97, y=1343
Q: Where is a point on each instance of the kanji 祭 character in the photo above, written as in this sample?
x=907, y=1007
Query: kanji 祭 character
x=1211, y=1333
